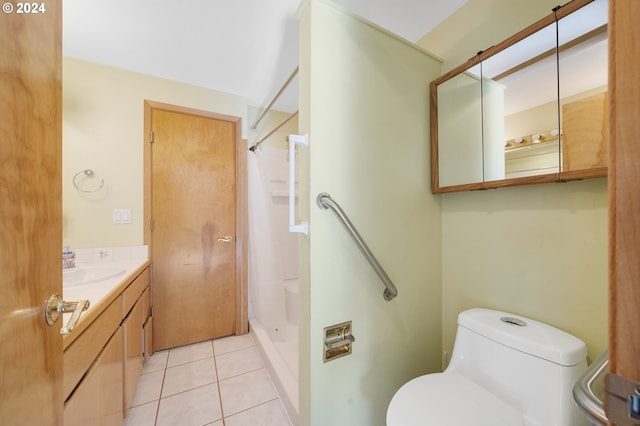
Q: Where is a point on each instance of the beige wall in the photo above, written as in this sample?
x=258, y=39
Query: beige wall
x=364, y=103
x=103, y=131
x=538, y=251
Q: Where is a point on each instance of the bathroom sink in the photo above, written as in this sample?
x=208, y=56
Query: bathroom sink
x=89, y=274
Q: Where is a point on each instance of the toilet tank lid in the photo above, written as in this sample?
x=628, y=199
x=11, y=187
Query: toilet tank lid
x=525, y=335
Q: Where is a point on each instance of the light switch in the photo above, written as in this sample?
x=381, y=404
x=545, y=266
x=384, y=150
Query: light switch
x=121, y=216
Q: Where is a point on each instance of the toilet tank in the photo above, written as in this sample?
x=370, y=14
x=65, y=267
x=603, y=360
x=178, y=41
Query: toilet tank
x=528, y=364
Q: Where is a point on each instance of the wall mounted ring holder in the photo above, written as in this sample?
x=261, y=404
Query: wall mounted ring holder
x=86, y=173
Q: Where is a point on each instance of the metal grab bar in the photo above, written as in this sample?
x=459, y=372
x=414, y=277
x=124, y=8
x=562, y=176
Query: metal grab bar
x=324, y=201
x=588, y=391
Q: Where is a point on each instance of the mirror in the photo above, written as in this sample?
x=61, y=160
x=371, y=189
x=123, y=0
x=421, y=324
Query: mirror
x=460, y=102
x=531, y=109
x=583, y=74
x=527, y=95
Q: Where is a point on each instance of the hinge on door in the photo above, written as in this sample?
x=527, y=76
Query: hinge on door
x=152, y=138
x=622, y=401
x=151, y=223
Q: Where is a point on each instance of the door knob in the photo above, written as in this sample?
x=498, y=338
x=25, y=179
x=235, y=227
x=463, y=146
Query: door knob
x=56, y=306
x=225, y=239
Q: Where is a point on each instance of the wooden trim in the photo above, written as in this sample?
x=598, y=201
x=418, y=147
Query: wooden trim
x=583, y=174
x=433, y=115
x=242, y=226
x=527, y=180
x=495, y=184
x=624, y=189
x=197, y=112
x=242, y=316
x=146, y=203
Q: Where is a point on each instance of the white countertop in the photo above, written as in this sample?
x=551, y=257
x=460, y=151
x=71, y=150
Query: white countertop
x=96, y=291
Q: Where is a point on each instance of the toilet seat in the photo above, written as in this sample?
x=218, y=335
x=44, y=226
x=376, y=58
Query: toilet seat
x=448, y=399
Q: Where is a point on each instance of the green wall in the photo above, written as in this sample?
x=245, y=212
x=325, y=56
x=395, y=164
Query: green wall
x=364, y=104
x=538, y=251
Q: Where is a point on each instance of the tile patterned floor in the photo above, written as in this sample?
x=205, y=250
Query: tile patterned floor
x=219, y=382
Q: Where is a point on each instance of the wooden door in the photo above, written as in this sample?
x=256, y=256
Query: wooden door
x=624, y=207
x=194, y=214
x=30, y=215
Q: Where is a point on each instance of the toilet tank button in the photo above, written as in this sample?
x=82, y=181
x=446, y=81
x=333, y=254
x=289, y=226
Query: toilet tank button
x=513, y=321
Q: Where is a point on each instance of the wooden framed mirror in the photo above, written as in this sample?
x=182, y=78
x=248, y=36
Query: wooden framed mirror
x=531, y=109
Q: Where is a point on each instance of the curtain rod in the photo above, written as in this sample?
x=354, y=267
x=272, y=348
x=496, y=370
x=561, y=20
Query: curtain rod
x=261, y=116
x=257, y=144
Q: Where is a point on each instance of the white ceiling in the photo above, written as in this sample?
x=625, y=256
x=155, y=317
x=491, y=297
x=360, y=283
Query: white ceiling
x=243, y=47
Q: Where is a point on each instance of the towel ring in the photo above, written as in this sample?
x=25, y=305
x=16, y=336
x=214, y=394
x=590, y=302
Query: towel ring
x=87, y=173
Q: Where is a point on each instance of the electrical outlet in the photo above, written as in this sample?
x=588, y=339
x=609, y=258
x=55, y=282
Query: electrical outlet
x=101, y=254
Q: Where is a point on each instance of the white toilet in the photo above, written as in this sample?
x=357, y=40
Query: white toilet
x=505, y=370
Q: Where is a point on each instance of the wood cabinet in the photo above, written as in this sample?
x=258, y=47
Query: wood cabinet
x=98, y=398
x=586, y=127
x=82, y=353
x=102, y=365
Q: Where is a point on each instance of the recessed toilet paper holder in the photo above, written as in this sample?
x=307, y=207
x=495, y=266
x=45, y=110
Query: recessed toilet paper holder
x=338, y=341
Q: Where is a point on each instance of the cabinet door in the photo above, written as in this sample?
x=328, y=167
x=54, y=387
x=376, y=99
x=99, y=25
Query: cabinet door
x=82, y=353
x=98, y=398
x=132, y=329
x=586, y=127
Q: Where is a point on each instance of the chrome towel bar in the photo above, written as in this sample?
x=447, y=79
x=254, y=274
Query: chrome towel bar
x=324, y=201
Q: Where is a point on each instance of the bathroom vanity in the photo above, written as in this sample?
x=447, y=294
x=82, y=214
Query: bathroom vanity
x=104, y=354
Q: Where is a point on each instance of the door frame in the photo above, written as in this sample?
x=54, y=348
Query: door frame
x=624, y=222
x=241, y=199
